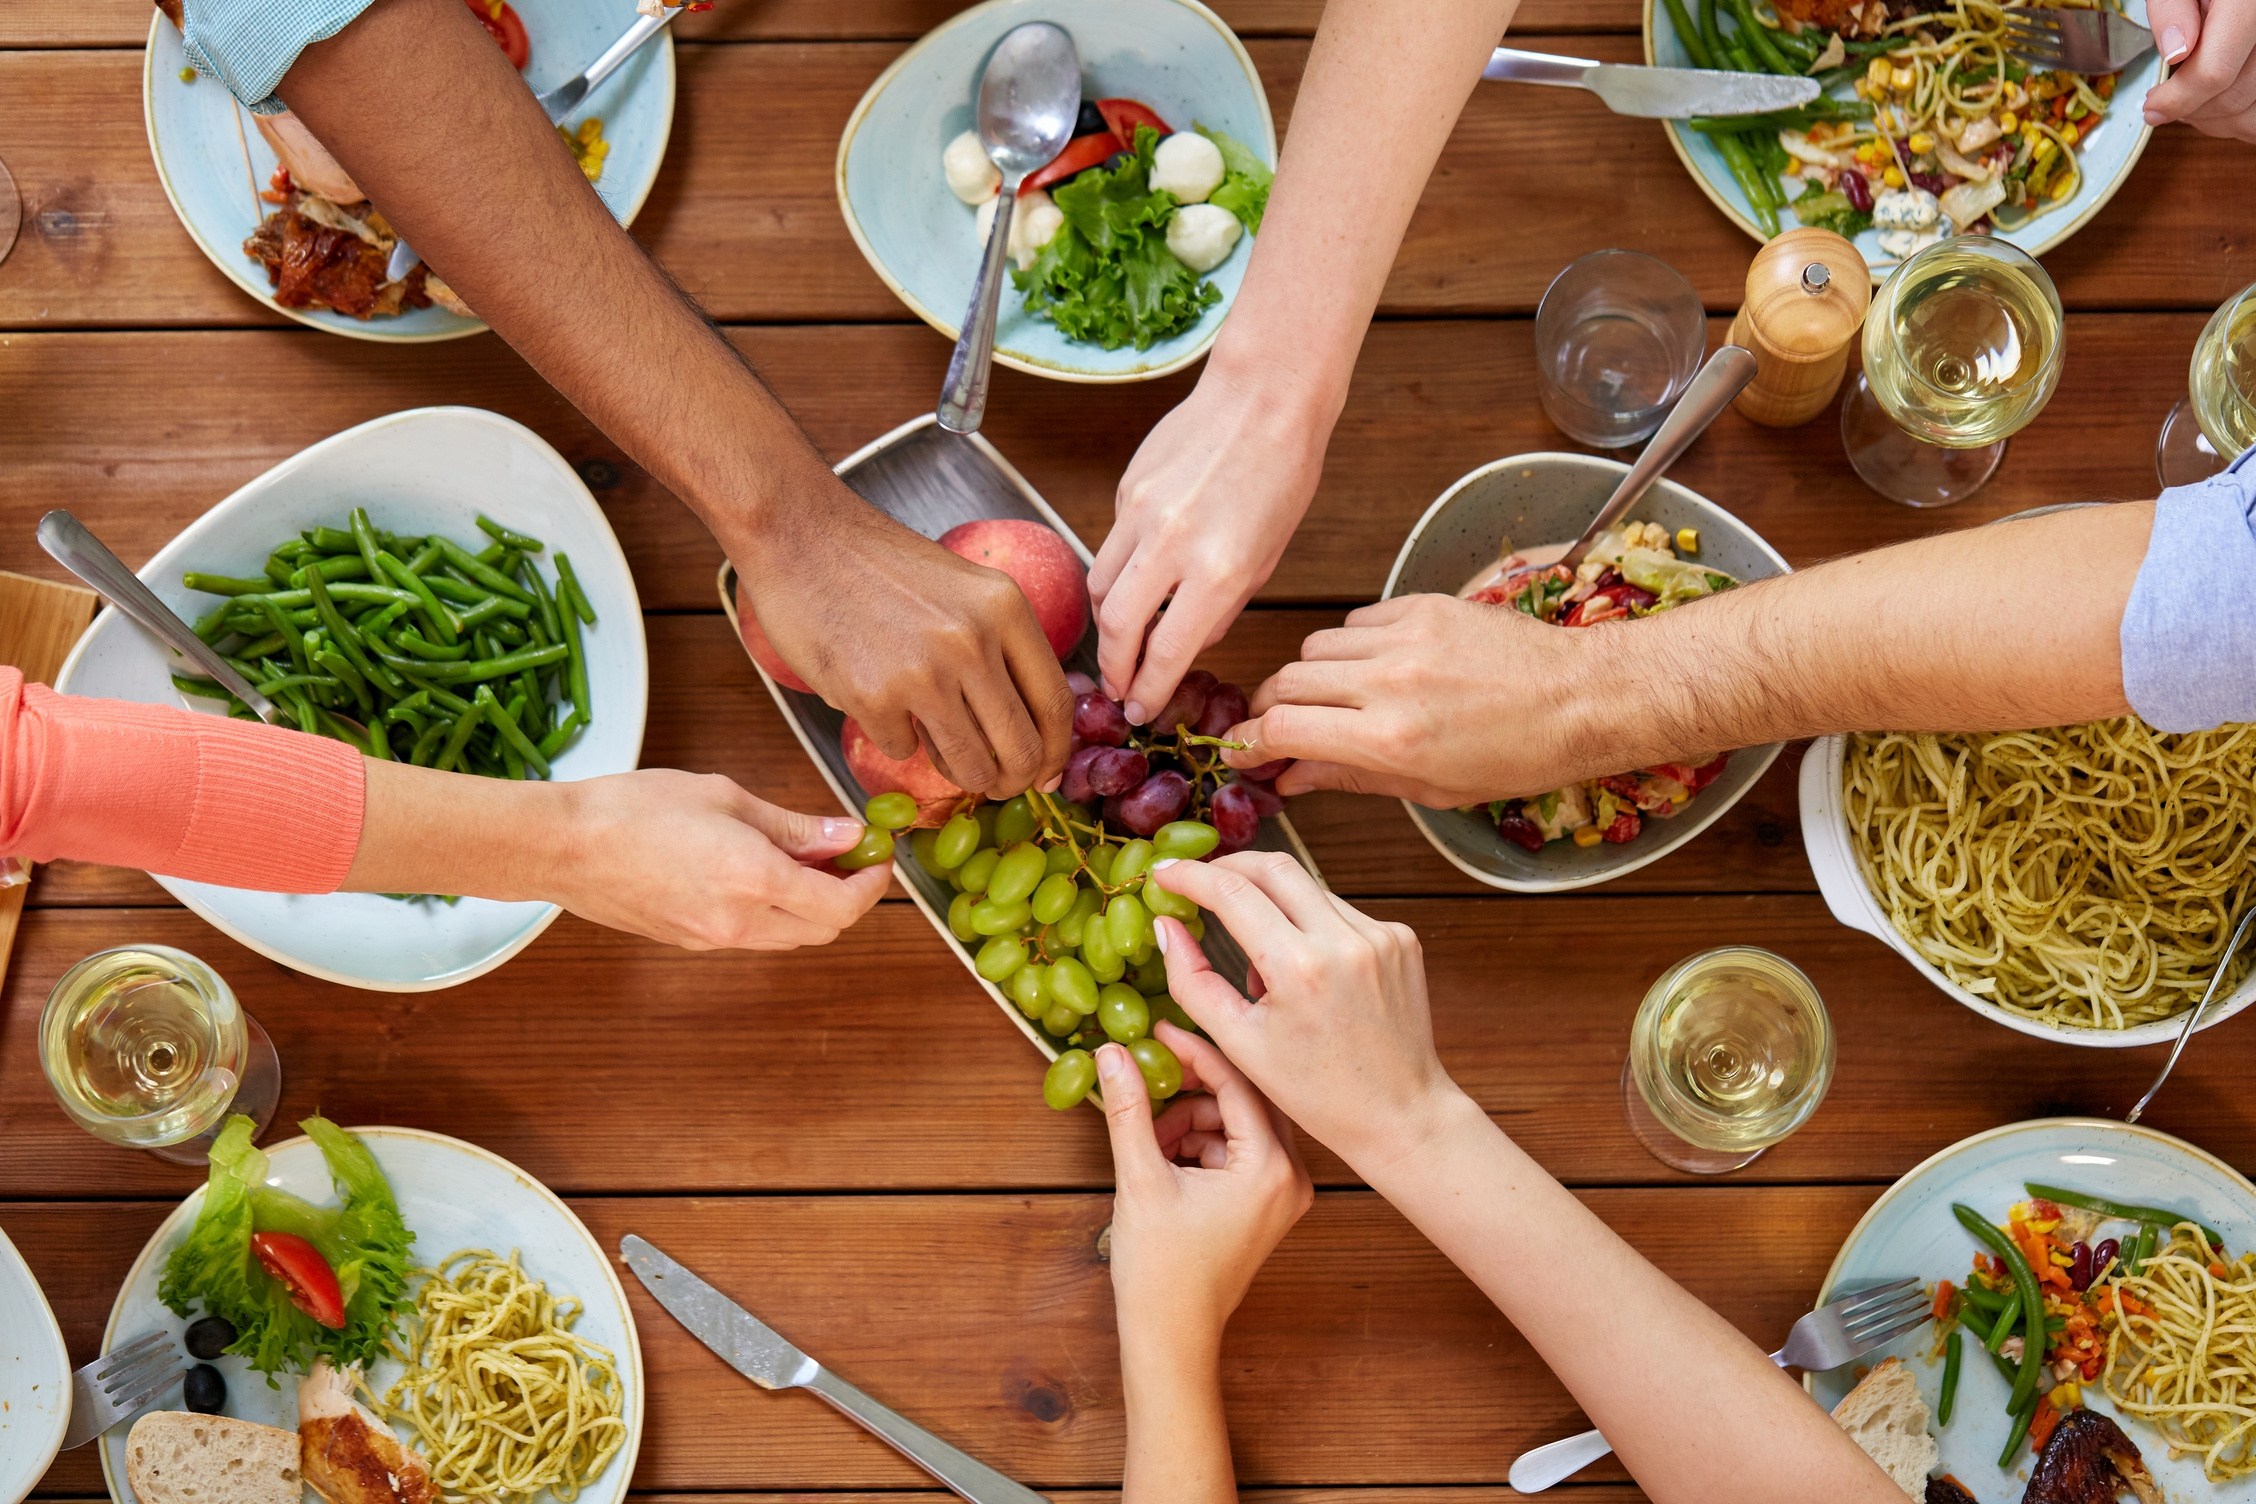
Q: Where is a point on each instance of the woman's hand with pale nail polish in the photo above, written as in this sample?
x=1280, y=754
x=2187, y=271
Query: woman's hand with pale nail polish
x=2212, y=50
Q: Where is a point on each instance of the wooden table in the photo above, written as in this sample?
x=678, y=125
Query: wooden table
x=919, y=1219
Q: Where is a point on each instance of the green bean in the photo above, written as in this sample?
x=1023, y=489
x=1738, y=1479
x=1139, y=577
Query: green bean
x=1988, y=1300
x=512, y=735
x=441, y=620
x=348, y=641
x=502, y=535
x=1757, y=37
x=336, y=663
x=198, y=687
x=1795, y=119
x=2007, y=1320
x=378, y=623
x=2032, y=1303
x=1711, y=34
x=452, y=704
x=544, y=607
x=413, y=641
x=294, y=550
x=420, y=754
x=487, y=609
x=336, y=567
x=290, y=637
x=459, y=738
x=412, y=705
x=213, y=624
x=1972, y=1319
x=2145, y=1251
x=1953, y=1352
x=279, y=569
x=2022, y=1415
x=569, y=583
x=332, y=540
x=2154, y=1215
x=483, y=668
x=1793, y=45
x=1688, y=35
x=529, y=690
x=302, y=708
x=1743, y=168
x=480, y=572
x=364, y=542
x=561, y=737
x=582, y=704
x=220, y=584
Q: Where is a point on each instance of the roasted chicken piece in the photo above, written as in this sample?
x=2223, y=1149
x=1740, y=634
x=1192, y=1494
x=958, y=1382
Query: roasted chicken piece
x=318, y=255
x=2089, y=1460
x=1947, y=1490
x=347, y=1454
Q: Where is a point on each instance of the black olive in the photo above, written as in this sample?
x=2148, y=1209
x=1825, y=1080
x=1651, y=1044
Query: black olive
x=204, y=1391
x=1091, y=121
x=209, y=1336
x=1117, y=160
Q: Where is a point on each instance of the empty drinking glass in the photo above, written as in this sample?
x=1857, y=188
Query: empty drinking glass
x=1618, y=337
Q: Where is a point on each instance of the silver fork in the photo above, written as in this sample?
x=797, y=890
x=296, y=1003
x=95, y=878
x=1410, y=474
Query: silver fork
x=116, y=1384
x=2075, y=41
x=1838, y=1332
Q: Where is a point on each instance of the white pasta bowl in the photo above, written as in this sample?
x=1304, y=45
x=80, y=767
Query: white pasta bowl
x=1535, y=499
x=1840, y=878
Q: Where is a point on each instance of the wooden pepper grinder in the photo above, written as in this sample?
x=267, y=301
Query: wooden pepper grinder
x=1807, y=292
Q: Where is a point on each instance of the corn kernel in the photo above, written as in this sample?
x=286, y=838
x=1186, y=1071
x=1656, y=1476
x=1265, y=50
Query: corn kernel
x=2045, y=148
x=1921, y=143
x=1858, y=88
x=1688, y=540
x=1904, y=79
x=1588, y=835
x=2070, y=134
x=2009, y=122
x=2067, y=1395
x=1893, y=177
x=1878, y=73
x=2064, y=187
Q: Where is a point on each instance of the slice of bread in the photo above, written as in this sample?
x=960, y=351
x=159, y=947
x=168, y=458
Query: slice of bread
x=173, y=1457
x=1885, y=1415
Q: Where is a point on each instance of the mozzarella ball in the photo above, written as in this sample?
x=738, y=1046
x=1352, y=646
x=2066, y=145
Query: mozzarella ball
x=1202, y=236
x=1033, y=223
x=971, y=177
x=1187, y=165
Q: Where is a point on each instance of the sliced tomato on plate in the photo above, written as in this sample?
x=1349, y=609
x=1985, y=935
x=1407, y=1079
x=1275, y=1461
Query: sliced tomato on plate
x=502, y=24
x=301, y=1270
x=1080, y=154
x=1124, y=115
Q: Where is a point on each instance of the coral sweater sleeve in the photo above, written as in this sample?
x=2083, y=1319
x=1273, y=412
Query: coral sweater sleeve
x=237, y=803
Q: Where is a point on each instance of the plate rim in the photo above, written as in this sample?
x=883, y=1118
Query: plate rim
x=627, y=1454
x=53, y=1445
x=1887, y=264
x=952, y=330
x=358, y=330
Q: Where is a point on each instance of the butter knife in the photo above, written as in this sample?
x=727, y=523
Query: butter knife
x=753, y=1349
x=1656, y=93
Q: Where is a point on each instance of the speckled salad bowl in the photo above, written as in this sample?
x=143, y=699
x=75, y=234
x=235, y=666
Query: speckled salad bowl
x=1174, y=55
x=1535, y=499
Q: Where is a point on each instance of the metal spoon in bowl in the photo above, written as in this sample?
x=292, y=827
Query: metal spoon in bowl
x=86, y=556
x=1029, y=98
x=1727, y=372
x=2232, y=947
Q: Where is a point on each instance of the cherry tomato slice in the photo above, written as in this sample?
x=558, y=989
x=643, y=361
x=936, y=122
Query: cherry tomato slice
x=1124, y=115
x=1080, y=154
x=304, y=1273
x=501, y=23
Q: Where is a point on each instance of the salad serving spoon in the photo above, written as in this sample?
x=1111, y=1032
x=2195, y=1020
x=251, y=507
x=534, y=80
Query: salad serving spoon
x=1724, y=376
x=1029, y=98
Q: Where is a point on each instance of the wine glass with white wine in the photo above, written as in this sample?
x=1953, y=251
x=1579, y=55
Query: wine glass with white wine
x=146, y=1047
x=1731, y=1051
x=2216, y=419
x=1961, y=349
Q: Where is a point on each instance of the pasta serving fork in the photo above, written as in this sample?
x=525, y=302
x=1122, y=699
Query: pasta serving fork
x=2075, y=41
x=1840, y=1331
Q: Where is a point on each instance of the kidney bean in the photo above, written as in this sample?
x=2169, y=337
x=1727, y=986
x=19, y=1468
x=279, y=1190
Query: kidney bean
x=2080, y=1266
x=2103, y=1255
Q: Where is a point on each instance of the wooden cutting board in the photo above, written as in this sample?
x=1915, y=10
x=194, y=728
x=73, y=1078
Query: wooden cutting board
x=40, y=621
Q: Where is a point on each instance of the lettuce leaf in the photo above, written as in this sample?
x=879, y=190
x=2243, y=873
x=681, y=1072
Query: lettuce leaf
x=365, y=1241
x=1245, y=179
x=1107, y=275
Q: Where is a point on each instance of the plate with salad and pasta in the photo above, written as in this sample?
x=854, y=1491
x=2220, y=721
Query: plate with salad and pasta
x=2137, y=1253
x=1928, y=126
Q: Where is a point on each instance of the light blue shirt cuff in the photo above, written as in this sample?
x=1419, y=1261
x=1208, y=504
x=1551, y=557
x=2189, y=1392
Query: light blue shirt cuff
x=247, y=45
x=2189, y=632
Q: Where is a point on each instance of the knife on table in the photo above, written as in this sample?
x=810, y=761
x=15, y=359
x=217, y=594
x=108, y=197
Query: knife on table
x=753, y=1349
x=1656, y=93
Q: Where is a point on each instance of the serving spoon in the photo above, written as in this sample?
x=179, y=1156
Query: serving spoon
x=1724, y=376
x=1029, y=98
x=2193, y=1019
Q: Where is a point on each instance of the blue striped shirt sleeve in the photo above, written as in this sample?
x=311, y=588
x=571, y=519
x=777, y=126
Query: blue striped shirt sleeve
x=2189, y=632
x=247, y=45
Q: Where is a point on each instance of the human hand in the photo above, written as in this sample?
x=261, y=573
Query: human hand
x=2212, y=46
x=1341, y=1038
x=1187, y=1239
x=693, y=860
x=913, y=641
x=1203, y=514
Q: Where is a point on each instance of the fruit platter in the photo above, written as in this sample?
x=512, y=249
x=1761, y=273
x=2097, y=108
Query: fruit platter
x=1078, y=966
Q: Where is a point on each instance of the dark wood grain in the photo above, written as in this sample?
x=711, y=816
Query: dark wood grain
x=1360, y=1355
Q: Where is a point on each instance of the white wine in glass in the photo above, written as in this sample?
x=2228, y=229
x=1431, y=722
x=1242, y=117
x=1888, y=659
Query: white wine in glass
x=1962, y=347
x=2216, y=420
x=146, y=1047
x=1731, y=1051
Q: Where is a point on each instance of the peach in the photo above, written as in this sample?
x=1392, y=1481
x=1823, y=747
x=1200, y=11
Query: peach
x=1043, y=566
x=915, y=776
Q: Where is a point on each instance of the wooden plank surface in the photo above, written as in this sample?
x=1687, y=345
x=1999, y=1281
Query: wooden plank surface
x=745, y=213
x=1360, y=1356
x=1431, y=401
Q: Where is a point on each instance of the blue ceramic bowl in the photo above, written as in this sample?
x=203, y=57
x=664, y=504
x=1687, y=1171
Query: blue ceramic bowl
x=213, y=162
x=2107, y=161
x=1174, y=55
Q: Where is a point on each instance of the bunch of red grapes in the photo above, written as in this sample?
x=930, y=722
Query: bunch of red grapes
x=1167, y=773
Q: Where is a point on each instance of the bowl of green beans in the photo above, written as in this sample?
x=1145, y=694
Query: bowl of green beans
x=435, y=587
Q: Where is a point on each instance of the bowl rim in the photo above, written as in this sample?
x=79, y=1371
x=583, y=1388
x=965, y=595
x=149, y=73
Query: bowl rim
x=1827, y=842
x=309, y=316
x=946, y=326
x=152, y=574
x=1682, y=830
x=43, y=1451
x=1885, y=265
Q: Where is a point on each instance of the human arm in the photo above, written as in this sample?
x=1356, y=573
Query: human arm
x=1447, y=702
x=2212, y=46
x=1342, y=1042
x=1186, y=1242
x=422, y=109
x=1214, y=492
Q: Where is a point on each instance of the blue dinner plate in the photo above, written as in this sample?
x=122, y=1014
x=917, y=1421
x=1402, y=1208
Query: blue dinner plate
x=1910, y=1231
x=1174, y=55
x=2107, y=161
x=213, y=162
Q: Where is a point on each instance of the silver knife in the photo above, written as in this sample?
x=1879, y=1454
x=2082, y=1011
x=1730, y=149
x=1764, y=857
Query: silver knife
x=753, y=1349
x=1656, y=93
